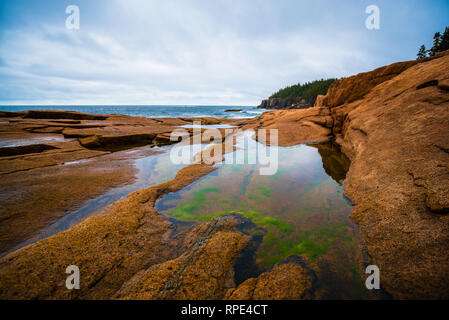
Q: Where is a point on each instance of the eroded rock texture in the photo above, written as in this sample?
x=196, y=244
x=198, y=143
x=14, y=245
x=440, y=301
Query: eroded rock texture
x=393, y=124
x=289, y=280
x=204, y=271
x=109, y=249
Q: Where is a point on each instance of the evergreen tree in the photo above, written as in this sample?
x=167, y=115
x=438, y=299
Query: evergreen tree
x=307, y=91
x=422, y=53
x=444, y=42
x=436, y=44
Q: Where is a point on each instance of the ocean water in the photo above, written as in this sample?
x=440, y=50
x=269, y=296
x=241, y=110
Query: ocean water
x=152, y=111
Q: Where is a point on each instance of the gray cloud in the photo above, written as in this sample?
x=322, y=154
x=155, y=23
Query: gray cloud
x=175, y=52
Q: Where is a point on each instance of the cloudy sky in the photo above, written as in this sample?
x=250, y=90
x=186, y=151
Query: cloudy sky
x=215, y=52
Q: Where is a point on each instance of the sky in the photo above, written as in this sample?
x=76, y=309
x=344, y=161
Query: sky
x=198, y=52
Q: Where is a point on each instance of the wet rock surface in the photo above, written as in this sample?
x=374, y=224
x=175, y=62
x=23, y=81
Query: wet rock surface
x=109, y=248
x=289, y=280
x=206, y=270
x=203, y=271
x=20, y=150
x=37, y=187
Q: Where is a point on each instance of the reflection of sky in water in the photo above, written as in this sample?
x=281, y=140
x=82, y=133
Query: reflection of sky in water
x=15, y=142
x=300, y=173
x=301, y=209
x=76, y=162
x=208, y=126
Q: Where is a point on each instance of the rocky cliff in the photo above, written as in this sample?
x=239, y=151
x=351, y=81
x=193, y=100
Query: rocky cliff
x=278, y=103
x=393, y=124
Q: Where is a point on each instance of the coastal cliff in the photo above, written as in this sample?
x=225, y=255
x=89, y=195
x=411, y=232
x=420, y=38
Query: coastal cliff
x=289, y=103
x=298, y=96
x=393, y=124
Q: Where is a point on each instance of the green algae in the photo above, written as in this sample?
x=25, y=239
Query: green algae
x=184, y=213
x=265, y=191
x=311, y=243
x=283, y=236
x=301, y=209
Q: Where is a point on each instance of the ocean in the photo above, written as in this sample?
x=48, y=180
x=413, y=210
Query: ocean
x=153, y=111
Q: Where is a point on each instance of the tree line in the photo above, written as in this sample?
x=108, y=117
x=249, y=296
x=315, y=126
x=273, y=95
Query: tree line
x=307, y=91
x=440, y=43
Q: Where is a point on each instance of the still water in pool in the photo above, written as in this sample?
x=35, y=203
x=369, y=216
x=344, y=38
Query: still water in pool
x=300, y=210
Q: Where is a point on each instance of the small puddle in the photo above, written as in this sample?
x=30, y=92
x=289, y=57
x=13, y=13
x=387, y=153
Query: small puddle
x=300, y=209
x=76, y=162
x=208, y=126
x=17, y=142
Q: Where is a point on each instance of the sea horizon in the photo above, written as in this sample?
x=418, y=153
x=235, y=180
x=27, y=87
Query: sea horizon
x=152, y=111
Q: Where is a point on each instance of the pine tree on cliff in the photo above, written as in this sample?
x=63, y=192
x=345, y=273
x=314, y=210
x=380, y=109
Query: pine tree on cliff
x=436, y=44
x=444, y=42
x=422, y=53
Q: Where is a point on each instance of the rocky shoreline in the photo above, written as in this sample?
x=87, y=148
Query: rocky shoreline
x=279, y=103
x=53, y=161
x=392, y=123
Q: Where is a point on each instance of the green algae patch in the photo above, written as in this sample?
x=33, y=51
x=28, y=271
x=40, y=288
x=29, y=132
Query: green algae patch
x=184, y=212
x=311, y=248
x=264, y=221
x=265, y=191
x=203, y=191
x=253, y=197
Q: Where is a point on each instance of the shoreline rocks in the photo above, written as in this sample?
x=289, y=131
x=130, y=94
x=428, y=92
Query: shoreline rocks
x=109, y=248
x=278, y=103
x=38, y=188
x=233, y=110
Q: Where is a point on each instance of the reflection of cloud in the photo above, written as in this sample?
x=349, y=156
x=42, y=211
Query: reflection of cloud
x=172, y=52
x=302, y=156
